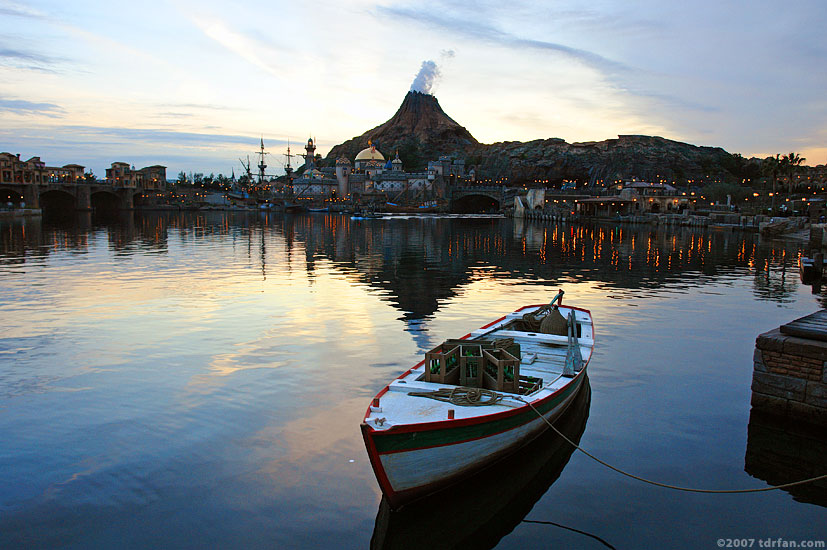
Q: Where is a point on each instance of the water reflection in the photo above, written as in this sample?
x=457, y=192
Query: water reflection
x=780, y=451
x=479, y=511
x=418, y=263
x=157, y=360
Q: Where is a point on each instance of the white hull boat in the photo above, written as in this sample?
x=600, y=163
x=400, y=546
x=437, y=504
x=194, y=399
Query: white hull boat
x=441, y=420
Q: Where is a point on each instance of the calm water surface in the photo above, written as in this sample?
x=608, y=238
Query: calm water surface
x=193, y=381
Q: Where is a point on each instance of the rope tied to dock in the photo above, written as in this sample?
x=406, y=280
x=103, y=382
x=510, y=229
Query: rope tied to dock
x=657, y=483
x=462, y=396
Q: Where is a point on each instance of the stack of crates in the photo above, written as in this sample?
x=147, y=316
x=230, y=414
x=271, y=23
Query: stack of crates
x=502, y=371
x=490, y=364
x=471, y=363
x=442, y=364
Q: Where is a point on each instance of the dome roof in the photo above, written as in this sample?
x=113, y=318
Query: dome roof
x=342, y=161
x=368, y=154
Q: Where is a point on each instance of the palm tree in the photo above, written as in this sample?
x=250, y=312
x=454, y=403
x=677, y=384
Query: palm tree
x=771, y=167
x=791, y=163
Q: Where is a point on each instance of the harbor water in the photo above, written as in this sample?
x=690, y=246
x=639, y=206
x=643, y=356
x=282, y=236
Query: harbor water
x=197, y=380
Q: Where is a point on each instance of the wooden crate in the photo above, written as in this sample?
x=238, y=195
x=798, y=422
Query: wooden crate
x=442, y=364
x=529, y=384
x=508, y=344
x=471, y=363
x=501, y=371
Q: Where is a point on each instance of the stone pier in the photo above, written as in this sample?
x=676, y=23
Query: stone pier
x=789, y=377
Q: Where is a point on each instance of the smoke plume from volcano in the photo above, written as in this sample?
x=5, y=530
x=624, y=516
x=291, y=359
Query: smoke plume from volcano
x=426, y=78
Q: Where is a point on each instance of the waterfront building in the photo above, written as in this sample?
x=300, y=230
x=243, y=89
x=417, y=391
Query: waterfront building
x=13, y=170
x=636, y=198
x=370, y=176
x=150, y=178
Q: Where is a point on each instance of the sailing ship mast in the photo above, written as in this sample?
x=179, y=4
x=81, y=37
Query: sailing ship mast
x=261, y=165
x=288, y=170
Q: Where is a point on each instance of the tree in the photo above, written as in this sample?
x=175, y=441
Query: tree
x=790, y=164
x=182, y=178
x=718, y=192
x=90, y=177
x=771, y=167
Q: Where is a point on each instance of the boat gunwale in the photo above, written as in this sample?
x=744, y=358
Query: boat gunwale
x=515, y=411
x=462, y=422
x=403, y=496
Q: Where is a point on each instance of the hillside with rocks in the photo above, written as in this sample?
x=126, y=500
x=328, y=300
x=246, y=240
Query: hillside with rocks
x=647, y=157
x=421, y=131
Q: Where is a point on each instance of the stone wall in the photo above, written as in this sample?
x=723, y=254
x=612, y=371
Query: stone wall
x=789, y=377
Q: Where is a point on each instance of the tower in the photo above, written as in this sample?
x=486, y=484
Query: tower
x=343, y=169
x=310, y=156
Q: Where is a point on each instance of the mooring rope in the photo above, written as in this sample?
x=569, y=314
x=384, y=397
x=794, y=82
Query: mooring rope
x=657, y=483
x=462, y=396
x=595, y=537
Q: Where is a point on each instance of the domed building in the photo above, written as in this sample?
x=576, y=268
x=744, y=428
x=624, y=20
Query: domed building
x=367, y=155
x=372, y=177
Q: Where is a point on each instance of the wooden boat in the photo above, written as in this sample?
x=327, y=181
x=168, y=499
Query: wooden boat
x=478, y=511
x=365, y=215
x=434, y=426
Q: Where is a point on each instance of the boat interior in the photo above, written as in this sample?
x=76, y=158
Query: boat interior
x=492, y=368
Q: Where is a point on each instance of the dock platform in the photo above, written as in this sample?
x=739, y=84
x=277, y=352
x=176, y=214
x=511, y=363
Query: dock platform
x=789, y=376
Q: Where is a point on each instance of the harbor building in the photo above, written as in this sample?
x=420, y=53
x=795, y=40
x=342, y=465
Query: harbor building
x=370, y=175
x=34, y=171
x=151, y=178
x=636, y=198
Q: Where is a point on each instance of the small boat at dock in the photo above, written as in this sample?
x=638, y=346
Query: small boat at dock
x=476, y=399
x=365, y=215
x=487, y=506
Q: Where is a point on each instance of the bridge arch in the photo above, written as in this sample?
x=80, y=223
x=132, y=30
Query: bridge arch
x=477, y=199
x=105, y=202
x=475, y=204
x=56, y=202
x=9, y=195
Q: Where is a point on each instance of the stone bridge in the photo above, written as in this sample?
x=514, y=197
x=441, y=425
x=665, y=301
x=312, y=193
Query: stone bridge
x=501, y=195
x=82, y=196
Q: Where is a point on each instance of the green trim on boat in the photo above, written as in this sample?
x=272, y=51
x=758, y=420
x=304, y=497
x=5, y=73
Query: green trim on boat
x=395, y=442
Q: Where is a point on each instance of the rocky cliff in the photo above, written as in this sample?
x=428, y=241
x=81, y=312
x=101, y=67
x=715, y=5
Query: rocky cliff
x=648, y=157
x=421, y=131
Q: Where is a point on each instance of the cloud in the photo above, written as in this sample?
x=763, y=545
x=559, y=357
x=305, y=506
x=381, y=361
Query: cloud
x=253, y=51
x=157, y=135
x=19, y=10
x=23, y=107
x=171, y=114
x=197, y=106
x=488, y=33
x=26, y=59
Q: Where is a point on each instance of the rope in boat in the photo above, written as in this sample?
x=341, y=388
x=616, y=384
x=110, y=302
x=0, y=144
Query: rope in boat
x=657, y=483
x=462, y=396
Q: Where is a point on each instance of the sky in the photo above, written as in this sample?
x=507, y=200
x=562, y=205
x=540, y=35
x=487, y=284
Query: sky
x=195, y=84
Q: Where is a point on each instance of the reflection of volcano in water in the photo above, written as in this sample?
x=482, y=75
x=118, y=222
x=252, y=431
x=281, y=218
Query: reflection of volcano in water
x=418, y=263
x=478, y=512
x=780, y=451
